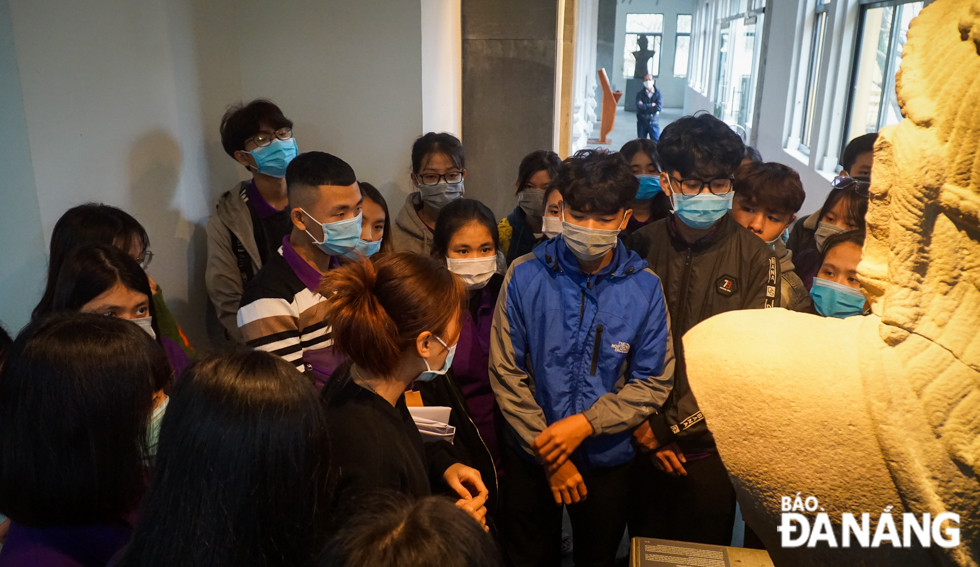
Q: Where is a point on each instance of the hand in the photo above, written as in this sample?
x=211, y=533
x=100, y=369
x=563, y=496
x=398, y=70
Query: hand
x=669, y=459
x=465, y=481
x=153, y=285
x=567, y=484
x=556, y=443
x=645, y=438
x=4, y=528
x=476, y=508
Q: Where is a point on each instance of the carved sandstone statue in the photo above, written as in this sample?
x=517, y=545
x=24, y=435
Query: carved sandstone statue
x=881, y=411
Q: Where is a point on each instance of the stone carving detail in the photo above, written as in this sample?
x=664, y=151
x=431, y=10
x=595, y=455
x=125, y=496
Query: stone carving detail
x=882, y=411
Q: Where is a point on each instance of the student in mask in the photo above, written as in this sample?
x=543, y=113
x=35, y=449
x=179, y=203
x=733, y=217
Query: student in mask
x=397, y=531
x=96, y=223
x=708, y=264
x=580, y=354
x=281, y=310
x=843, y=210
x=396, y=319
x=551, y=222
x=855, y=162
x=241, y=479
x=75, y=398
x=104, y=280
x=836, y=290
x=375, y=228
x=767, y=198
x=251, y=220
x=438, y=170
x=650, y=204
x=520, y=231
x=465, y=241
x=649, y=103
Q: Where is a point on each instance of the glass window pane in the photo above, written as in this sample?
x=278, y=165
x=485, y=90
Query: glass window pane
x=632, y=44
x=810, y=96
x=644, y=23
x=681, y=54
x=683, y=23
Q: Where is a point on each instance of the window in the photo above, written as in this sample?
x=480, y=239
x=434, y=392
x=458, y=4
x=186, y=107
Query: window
x=883, y=32
x=812, y=72
x=644, y=32
x=682, y=45
x=738, y=65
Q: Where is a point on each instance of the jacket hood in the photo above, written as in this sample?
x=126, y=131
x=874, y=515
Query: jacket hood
x=408, y=219
x=785, y=257
x=558, y=257
x=231, y=208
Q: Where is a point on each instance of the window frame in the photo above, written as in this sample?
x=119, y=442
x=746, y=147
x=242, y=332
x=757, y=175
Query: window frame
x=658, y=54
x=818, y=45
x=677, y=35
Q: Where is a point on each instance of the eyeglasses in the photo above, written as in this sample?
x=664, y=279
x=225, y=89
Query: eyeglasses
x=145, y=258
x=717, y=186
x=430, y=179
x=859, y=186
x=263, y=139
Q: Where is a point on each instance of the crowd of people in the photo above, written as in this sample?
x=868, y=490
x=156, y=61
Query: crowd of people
x=553, y=335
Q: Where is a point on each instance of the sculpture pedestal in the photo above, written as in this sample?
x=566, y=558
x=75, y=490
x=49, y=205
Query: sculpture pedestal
x=633, y=86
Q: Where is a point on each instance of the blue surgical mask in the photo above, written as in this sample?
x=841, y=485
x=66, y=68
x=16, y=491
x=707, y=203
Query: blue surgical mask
x=783, y=236
x=702, y=210
x=429, y=373
x=153, y=429
x=835, y=300
x=339, y=237
x=366, y=248
x=273, y=159
x=649, y=187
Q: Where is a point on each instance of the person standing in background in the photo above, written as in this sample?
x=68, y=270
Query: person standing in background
x=649, y=103
x=520, y=231
x=251, y=220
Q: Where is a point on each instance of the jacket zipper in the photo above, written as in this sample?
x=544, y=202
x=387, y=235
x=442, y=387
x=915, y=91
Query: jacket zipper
x=581, y=314
x=595, y=350
x=466, y=410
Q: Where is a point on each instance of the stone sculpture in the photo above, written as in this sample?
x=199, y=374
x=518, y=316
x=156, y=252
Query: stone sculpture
x=642, y=57
x=876, y=414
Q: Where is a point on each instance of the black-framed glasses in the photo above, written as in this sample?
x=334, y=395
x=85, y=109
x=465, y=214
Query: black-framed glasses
x=263, y=139
x=717, y=186
x=430, y=179
x=860, y=185
x=145, y=258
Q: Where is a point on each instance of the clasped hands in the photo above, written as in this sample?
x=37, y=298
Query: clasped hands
x=667, y=458
x=553, y=447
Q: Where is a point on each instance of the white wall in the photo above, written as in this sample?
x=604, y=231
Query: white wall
x=122, y=101
x=672, y=88
x=442, y=66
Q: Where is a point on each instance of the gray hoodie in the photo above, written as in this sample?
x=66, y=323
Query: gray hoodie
x=408, y=232
x=793, y=295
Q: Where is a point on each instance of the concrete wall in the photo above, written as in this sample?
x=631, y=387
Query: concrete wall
x=508, y=92
x=121, y=103
x=672, y=88
x=606, y=32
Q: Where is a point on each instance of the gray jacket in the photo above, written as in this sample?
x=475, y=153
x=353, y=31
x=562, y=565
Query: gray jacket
x=222, y=275
x=793, y=294
x=408, y=232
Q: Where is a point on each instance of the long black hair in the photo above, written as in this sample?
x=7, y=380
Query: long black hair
x=241, y=469
x=437, y=143
x=76, y=394
x=454, y=216
x=91, y=223
x=541, y=160
x=371, y=193
x=855, y=204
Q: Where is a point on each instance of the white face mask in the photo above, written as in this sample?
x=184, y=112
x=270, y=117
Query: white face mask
x=551, y=226
x=824, y=230
x=648, y=84
x=475, y=272
x=589, y=244
x=145, y=323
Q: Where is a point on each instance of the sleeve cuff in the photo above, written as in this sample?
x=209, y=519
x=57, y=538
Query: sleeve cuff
x=658, y=424
x=592, y=415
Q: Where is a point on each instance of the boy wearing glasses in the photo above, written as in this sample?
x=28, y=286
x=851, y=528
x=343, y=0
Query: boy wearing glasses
x=708, y=264
x=251, y=220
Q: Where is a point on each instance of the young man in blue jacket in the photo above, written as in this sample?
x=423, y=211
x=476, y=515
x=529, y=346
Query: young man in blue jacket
x=581, y=353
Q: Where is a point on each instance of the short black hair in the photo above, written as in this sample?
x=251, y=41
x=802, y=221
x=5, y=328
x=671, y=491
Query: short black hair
x=700, y=145
x=371, y=193
x=772, y=185
x=75, y=399
x=454, y=216
x=856, y=204
x=541, y=160
x=645, y=145
x=834, y=240
x=438, y=143
x=753, y=154
x=91, y=223
x=241, y=476
x=596, y=181
x=860, y=145
x=241, y=122
x=312, y=169
x=395, y=530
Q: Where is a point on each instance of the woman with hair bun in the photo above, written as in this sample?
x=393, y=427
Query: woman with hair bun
x=397, y=321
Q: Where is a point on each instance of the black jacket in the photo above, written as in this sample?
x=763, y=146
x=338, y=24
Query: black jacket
x=729, y=269
x=649, y=105
x=521, y=239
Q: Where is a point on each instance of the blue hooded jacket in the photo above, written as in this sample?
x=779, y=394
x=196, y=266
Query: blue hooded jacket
x=565, y=342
